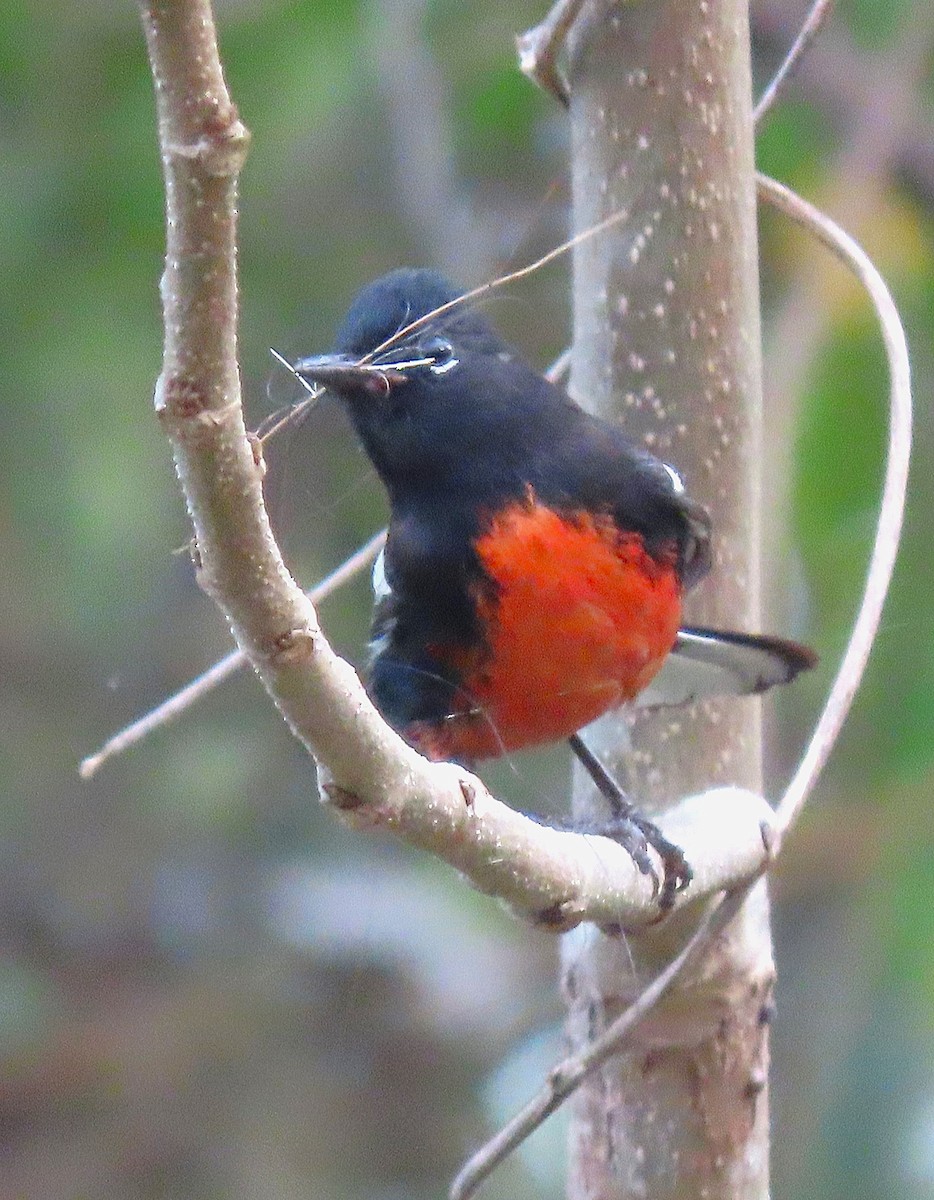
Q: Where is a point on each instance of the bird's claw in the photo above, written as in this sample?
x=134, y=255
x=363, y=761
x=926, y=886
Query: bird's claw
x=636, y=834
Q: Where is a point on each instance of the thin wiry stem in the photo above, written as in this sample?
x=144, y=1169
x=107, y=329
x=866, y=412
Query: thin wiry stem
x=199, y=687
x=178, y=703
x=568, y=1076
x=892, y=507
x=565, y=1078
x=813, y=23
x=492, y=285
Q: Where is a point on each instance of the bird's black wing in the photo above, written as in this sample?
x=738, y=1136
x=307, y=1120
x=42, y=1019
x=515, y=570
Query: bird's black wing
x=599, y=469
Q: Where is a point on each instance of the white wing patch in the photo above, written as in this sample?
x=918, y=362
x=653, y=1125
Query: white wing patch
x=677, y=482
x=381, y=588
x=382, y=594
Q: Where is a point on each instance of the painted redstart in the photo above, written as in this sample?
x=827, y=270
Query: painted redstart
x=536, y=559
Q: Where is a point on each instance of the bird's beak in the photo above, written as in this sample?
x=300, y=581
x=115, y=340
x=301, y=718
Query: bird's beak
x=336, y=370
x=342, y=373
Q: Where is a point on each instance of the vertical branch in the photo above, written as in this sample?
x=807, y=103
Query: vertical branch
x=667, y=341
x=203, y=145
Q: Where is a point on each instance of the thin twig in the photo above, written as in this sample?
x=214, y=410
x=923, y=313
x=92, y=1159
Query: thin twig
x=173, y=706
x=560, y=369
x=568, y=1076
x=813, y=22
x=891, y=514
x=838, y=76
x=540, y=47
x=565, y=1078
x=493, y=285
x=182, y=700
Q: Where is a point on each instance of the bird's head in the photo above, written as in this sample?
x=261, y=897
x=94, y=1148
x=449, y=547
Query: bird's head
x=403, y=372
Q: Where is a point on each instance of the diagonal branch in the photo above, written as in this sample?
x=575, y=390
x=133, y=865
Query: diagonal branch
x=202, y=685
x=173, y=706
x=811, y=27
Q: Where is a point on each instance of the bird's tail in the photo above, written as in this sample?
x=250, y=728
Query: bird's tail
x=714, y=662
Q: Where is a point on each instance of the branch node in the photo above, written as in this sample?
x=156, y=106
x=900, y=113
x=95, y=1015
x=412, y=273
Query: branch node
x=469, y=792
x=555, y=1077
x=340, y=798
x=256, y=448
x=183, y=405
x=293, y=647
x=539, y=65
x=559, y=917
x=180, y=398
x=539, y=49
x=220, y=151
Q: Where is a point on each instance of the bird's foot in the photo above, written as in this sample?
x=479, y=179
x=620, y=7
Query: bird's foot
x=636, y=834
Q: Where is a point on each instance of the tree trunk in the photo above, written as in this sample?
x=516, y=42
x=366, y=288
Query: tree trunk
x=667, y=341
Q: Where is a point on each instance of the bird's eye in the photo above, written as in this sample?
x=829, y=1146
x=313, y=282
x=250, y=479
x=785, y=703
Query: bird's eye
x=441, y=352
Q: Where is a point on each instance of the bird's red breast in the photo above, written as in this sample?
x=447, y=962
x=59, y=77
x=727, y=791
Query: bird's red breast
x=577, y=618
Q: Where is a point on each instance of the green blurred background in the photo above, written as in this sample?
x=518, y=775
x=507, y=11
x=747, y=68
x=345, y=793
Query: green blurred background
x=207, y=987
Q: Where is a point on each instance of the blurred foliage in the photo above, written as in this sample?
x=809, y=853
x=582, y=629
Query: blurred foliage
x=207, y=987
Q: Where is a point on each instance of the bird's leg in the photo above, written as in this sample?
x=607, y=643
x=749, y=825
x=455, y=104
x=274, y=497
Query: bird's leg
x=633, y=831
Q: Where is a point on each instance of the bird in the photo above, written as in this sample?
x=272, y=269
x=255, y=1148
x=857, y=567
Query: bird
x=536, y=559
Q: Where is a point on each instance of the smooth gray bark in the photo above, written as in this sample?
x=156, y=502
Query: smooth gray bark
x=667, y=340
